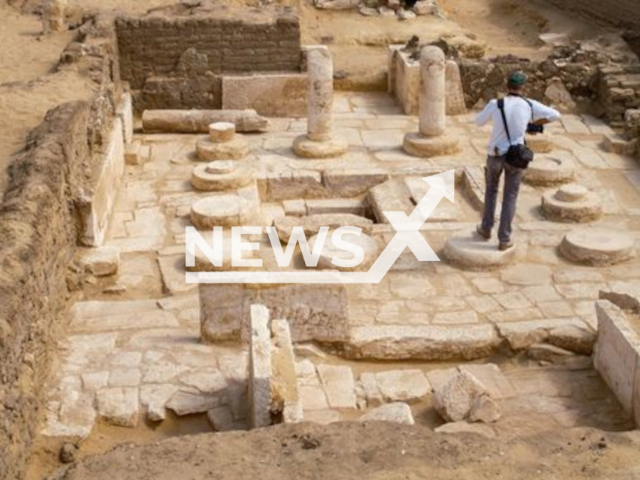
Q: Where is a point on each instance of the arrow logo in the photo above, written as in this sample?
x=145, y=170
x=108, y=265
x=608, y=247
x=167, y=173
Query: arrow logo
x=407, y=235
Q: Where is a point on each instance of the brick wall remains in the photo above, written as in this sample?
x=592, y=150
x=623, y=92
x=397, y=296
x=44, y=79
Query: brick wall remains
x=175, y=56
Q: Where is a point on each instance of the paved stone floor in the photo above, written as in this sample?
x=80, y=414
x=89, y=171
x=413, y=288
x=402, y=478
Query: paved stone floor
x=133, y=339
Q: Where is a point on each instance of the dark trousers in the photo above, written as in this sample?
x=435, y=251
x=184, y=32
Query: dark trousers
x=512, y=179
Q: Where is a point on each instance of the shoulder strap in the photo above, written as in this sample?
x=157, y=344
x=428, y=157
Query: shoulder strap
x=530, y=105
x=504, y=118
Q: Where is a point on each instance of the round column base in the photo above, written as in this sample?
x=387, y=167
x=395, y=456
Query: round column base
x=307, y=148
x=426, y=147
x=235, y=149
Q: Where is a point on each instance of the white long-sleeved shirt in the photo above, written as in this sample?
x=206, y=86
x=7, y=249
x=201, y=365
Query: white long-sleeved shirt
x=519, y=113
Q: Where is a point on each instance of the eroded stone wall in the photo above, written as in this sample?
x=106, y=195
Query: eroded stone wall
x=174, y=57
x=39, y=227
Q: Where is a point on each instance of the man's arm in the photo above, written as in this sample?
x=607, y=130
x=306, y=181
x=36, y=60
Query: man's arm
x=485, y=115
x=543, y=114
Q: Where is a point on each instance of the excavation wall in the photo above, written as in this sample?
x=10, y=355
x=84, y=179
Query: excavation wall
x=39, y=227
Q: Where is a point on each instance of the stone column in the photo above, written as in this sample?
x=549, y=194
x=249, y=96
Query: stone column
x=319, y=141
x=431, y=141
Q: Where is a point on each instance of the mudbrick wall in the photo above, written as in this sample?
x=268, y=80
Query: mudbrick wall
x=38, y=230
x=173, y=57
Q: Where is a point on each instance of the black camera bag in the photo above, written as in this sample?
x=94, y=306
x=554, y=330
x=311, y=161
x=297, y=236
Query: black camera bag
x=518, y=156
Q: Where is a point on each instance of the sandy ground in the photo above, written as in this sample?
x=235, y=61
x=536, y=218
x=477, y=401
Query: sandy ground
x=28, y=85
x=374, y=451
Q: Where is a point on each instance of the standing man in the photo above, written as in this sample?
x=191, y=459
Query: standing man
x=519, y=114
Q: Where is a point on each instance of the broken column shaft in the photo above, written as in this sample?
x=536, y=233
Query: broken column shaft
x=431, y=141
x=319, y=142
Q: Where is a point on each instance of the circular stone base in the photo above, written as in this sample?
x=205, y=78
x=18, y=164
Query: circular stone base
x=427, y=147
x=539, y=143
x=306, y=148
x=597, y=247
x=471, y=252
x=329, y=250
x=234, y=149
x=571, y=203
x=548, y=170
x=203, y=264
x=220, y=211
x=220, y=176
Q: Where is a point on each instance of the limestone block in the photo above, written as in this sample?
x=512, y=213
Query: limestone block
x=294, y=185
x=314, y=312
x=322, y=417
x=520, y=335
x=572, y=203
x=270, y=94
x=421, y=342
x=617, y=355
x=485, y=409
x=597, y=247
x=260, y=368
x=137, y=154
x=101, y=261
x=370, y=389
x=189, y=402
x=391, y=195
x=439, y=378
x=462, y=395
x=221, y=419
x=338, y=385
x=491, y=378
x=220, y=210
x=284, y=385
x=397, y=412
x=105, y=183
x=235, y=149
x=295, y=208
x=206, y=381
x=119, y=406
x=125, y=112
x=198, y=121
x=573, y=338
x=409, y=386
x=619, y=144
x=352, y=182
x=154, y=398
x=335, y=205
x=331, y=252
